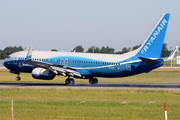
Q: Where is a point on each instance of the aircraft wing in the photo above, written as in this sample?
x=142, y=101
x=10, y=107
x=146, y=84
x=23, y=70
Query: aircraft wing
x=57, y=69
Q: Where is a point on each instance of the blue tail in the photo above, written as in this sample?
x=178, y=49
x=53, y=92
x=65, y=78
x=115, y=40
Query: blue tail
x=152, y=46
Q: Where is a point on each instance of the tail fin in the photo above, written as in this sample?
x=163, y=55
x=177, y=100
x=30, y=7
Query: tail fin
x=152, y=46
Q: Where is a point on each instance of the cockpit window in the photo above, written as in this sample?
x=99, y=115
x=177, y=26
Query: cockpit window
x=8, y=57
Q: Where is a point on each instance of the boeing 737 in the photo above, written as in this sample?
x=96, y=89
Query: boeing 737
x=46, y=65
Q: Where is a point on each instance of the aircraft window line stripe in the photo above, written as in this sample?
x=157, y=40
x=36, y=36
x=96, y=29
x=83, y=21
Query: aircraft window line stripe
x=105, y=66
x=94, y=67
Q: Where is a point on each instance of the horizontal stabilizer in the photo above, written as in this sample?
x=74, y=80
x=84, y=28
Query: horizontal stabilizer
x=172, y=59
x=146, y=60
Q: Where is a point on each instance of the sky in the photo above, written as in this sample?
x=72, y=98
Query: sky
x=65, y=24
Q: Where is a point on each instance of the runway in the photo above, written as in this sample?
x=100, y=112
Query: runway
x=88, y=85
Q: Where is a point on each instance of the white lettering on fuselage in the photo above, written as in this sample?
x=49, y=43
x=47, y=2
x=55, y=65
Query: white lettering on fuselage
x=153, y=36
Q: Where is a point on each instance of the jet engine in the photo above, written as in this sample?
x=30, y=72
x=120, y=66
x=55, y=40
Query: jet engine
x=44, y=74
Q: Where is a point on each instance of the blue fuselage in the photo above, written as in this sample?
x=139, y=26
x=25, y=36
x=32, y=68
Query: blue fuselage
x=86, y=66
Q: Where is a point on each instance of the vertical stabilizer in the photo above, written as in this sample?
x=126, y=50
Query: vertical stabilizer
x=152, y=46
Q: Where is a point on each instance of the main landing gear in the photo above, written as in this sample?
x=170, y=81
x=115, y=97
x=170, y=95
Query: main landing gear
x=93, y=81
x=69, y=81
x=18, y=78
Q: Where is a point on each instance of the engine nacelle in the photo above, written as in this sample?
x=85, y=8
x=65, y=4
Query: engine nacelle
x=44, y=74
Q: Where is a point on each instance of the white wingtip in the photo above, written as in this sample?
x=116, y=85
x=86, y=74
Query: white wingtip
x=29, y=55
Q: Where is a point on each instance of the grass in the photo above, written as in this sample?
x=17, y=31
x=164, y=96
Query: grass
x=66, y=104
x=150, y=78
x=98, y=104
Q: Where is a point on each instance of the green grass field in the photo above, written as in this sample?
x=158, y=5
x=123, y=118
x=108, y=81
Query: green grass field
x=89, y=104
x=38, y=104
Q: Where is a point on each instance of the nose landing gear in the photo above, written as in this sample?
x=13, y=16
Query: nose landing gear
x=18, y=78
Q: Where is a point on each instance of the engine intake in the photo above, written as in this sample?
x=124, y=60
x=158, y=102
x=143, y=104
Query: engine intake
x=44, y=74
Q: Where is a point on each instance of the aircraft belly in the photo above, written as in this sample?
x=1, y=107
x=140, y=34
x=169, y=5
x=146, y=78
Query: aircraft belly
x=107, y=72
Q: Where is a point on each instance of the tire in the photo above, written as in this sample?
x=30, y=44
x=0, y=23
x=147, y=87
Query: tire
x=93, y=81
x=69, y=81
x=72, y=81
x=18, y=78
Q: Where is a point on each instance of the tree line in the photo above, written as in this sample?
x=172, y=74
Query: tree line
x=9, y=50
x=106, y=50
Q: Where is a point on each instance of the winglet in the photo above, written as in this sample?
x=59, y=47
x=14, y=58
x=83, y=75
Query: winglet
x=173, y=53
x=29, y=55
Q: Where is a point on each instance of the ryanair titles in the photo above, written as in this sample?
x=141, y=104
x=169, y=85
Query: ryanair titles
x=153, y=36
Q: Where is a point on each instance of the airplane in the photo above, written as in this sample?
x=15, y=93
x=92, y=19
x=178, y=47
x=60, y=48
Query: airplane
x=46, y=65
x=172, y=53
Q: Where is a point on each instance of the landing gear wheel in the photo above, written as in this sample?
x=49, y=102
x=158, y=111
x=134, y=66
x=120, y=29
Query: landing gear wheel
x=93, y=81
x=69, y=81
x=18, y=78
